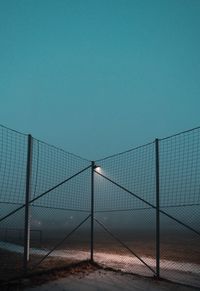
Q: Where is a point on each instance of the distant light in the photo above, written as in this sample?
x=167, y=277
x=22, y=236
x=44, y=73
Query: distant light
x=97, y=168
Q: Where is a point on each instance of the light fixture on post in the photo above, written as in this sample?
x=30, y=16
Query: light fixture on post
x=96, y=167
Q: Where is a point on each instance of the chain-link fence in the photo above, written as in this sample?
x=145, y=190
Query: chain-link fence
x=179, y=204
x=45, y=205
x=124, y=216
x=137, y=211
x=147, y=209
x=13, y=160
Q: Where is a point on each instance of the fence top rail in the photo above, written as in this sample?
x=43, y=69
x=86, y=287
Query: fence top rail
x=13, y=130
x=43, y=142
x=147, y=144
x=179, y=133
x=60, y=149
x=125, y=152
x=107, y=157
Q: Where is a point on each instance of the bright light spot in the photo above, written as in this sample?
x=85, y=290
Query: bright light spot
x=98, y=169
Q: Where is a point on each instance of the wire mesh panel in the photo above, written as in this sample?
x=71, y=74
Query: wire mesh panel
x=12, y=246
x=13, y=156
x=51, y=166
x=60, y=206
x=124, y=196
x=179, y=201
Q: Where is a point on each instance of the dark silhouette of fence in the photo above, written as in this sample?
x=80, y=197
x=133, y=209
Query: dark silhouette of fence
x=137, y=211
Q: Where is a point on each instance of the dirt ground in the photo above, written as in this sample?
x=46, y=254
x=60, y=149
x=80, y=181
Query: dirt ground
x=91, y=277
x=12, y=264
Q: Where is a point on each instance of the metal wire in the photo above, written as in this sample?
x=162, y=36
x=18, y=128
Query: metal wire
x=56, y=203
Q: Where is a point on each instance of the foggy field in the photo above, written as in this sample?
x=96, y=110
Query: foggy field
x=174, y=246
x=116, y=258
x=180, y=254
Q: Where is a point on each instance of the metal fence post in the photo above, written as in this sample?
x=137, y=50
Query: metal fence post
x=92, y=212
x=157, y=209
x=27, y=206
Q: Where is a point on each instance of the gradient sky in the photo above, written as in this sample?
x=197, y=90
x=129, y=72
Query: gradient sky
x=96, y=77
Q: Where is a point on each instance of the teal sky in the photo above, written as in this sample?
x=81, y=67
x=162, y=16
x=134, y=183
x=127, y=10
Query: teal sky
x=96, y=77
